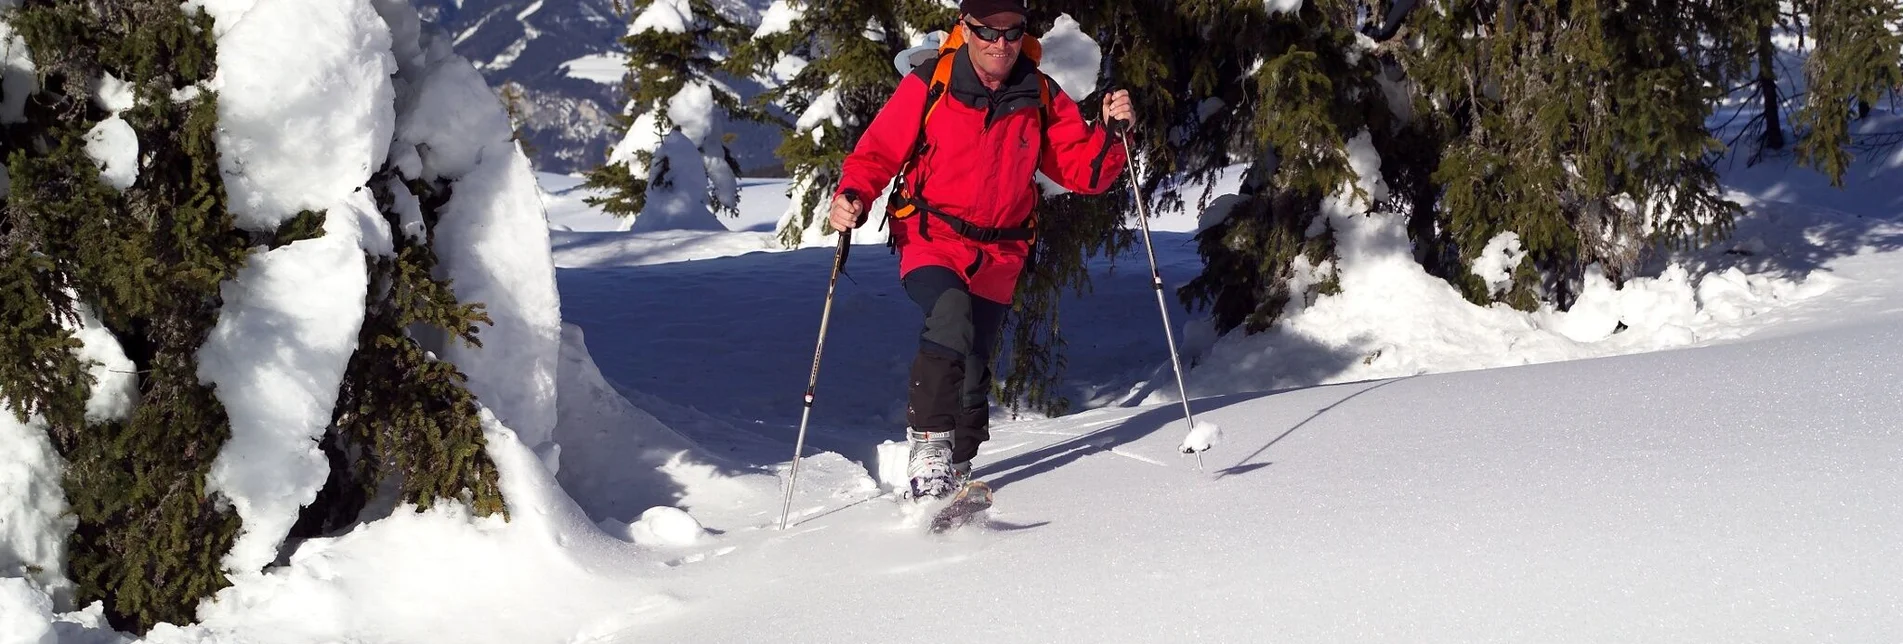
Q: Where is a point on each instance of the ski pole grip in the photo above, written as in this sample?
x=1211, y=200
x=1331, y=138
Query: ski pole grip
x=845, y=236
x=1117, y=126
x=852, y=195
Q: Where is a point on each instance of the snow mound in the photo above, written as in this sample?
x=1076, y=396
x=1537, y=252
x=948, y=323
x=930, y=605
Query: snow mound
x=1394, y=319
x=492, y=238
x=539, y=576
x=26, y=614
x=1202, y=436
x=27, y=617
x=663, y=526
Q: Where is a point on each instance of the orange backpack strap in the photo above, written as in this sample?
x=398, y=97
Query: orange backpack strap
x=902, y=205
x=941, y=81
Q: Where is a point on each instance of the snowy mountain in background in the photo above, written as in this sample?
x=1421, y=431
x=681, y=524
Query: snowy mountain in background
x=570, y=120
x=566, y=57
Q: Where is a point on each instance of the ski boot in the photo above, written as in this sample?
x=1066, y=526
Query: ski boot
x=930, y=467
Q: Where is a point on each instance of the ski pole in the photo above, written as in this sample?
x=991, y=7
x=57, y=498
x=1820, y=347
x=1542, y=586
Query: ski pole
x=812, y=381
x=1122, y=129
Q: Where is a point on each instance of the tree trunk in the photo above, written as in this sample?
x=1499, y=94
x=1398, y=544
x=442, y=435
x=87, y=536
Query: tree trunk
x=1767, y=88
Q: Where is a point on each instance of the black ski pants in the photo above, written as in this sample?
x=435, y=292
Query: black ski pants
x=951, y=376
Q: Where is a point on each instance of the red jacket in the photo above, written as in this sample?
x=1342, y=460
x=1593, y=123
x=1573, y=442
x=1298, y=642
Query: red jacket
x=982, y=149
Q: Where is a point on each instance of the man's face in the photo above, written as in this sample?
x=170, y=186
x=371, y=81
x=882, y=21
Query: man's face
x=995, y=57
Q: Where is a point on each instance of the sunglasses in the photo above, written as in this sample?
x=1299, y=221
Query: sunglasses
x=988, y=34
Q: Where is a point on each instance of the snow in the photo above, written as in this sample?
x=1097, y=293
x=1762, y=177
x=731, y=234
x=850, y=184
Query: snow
x=1497, y=261
x=606, y=69
x=644, y=135
x=665, y=526
x=1202, y=436
x=1396, y=320
x=27, y=615
x=492, y=238
x=532, y=8
x=694, y=113
x=677, y=189
x=305, y=105
x=1366, y=163
x=1705, y=454
x=112, y=94
x=667, y=16
x=114, y=146
x=18, y=76
x=786, y=69
x=823, y=109
x=691, y=110
x=492, y=243
x=563, y=196
x=1283, y=6
x=275, y=360
x=413, y=565
x=448, y=100
x=1714, y=493
x=779, y=18
x=112, y=143
x=508, y=55
x=33, y=512
x=34, y=517
x=1071, y=57
x=688, y=165
x=633, y=461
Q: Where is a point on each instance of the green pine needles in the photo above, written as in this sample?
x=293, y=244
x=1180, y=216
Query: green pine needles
x=404, y=418
x=1578, y=126
x=147, y=263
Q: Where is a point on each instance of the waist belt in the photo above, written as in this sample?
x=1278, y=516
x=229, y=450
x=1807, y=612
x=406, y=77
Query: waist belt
x=915, y=207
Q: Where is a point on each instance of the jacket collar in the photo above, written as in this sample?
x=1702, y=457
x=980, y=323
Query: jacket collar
x=1019, y=90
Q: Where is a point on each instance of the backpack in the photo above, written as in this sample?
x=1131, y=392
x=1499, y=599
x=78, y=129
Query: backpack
x=902, y=205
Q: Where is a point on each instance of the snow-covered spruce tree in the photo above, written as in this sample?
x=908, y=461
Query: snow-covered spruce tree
x=407, y=416
x=672, y=169
x=116, y=222
x=403, y=416
x=1579, y=128
x=830, y=63
x=200, y=288
x=1281, y=91
x=1859, y=55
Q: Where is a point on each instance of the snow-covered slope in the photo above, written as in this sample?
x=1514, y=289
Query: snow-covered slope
x=1741, y=491
x=1734, y=493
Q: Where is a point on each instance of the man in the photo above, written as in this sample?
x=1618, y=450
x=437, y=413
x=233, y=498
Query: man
x=964, y=214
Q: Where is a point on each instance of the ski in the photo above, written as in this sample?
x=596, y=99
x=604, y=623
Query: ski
x=971, y=500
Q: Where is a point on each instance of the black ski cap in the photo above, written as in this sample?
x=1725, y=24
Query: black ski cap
x=984, y=8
